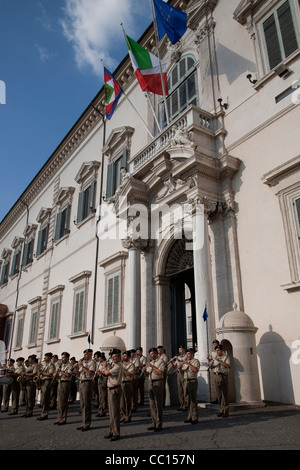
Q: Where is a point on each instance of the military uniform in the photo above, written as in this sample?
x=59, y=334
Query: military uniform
x=46, y=372
x=126, y=386
x=156, y=390
x=165, y=358
x=7, y=388
x=180, y=383
x=102, y=386
x=30, y=386
x=17, y=385
x=64, y=380
x=86, y=391
x=190, y=388
x=220, y=373
x=141, y=379
x=136, y=362
x=114, y=397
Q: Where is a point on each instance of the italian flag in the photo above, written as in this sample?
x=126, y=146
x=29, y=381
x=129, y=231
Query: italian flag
x=146, y=68
x=112, y=92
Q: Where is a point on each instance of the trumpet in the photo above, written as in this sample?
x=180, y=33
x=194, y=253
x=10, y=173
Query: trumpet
x=172, y=359
x=37, y=380
x=21, y=381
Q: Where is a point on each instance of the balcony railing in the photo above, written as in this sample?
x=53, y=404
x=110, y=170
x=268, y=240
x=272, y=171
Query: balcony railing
x=191, y=117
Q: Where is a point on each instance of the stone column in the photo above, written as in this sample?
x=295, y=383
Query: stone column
x=163, y=309
x=148, y=324
x=133, y=294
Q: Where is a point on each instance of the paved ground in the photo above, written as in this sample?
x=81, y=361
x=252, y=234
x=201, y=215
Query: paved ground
x=261, y=428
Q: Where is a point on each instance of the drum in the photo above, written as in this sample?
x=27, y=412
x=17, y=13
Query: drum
x=5, y=380
x=3, y=372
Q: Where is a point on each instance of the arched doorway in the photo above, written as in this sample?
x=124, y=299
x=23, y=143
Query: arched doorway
x=180, y=271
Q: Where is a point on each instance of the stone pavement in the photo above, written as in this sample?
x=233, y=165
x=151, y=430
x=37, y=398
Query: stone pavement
x=272, y=427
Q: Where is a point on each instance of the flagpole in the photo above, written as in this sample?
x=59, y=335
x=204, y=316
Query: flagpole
x=161, y=74
x=143, y=122
x=147, y=94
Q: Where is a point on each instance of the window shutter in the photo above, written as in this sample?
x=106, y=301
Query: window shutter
x=39, y=243
x=110, y=183
x=19, y=333
x=3, y=274
x=92, y=197
x=54, y=321
x=116, y=299
x=296, y=204
x=13, y=266
x=25, y=255
x=272, y=42
x=110, y=289
x=113, y=300
x=79, y=311
x=33, y=327
x=80, y=207
x=57, y=227
x=287, y=29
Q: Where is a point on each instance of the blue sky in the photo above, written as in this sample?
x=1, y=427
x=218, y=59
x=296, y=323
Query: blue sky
x=50, y=64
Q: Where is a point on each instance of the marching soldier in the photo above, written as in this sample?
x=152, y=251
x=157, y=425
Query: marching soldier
x=86, y=371
x=141, y=379
x=190, y=367
x=64, y=379
x=164, y=357
x=135, y=361
x=30, y=385
x=126, y=398
x=220, y=366
x=73, y=387
x=54, y=384
x=114, y=374
x=102, y=385
x=45, y=374
x=17, y=385
x=180, y=380
x=155, y=372
x=7, y=388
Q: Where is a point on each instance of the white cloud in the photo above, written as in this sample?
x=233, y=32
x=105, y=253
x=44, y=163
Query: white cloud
x=44, y=54
x=93, y=28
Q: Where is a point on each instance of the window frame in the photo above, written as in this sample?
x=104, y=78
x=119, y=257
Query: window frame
x=114, y=320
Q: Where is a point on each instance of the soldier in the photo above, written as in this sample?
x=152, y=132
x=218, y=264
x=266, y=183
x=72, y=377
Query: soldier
x=220, y=366
x=64, y=379
x=17, y=385
x=30, y=385
x=86, y=371
x=7, y=388
x=126, y=398
x=73, y=387
x=135, y=361
x=190, y=367
x=46, y=372
x=141, y=379
x=180, y=380
x=155, y=371
x=164, y=357
x=114, y=374
x=102, y=385
x=54, y=384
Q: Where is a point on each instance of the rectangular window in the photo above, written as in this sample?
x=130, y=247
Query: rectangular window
x=280, y=34
x=78, y=322
x=113, y=299
x=114, y=178
x=42, y=240
x=19, y=334
x=54, y=320
x=4, y=274
x=33, y=327
x=28, y=253
x=62, y=223
x=15, y=267
x=86, y=202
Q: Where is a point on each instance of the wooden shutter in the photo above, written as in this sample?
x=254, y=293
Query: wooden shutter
x=33, y=327
x=53, y=333
x=287, y=29
x=19, y=333
x=79, y=312
x=80, y=207
x=113, y=299
x=272, y=41
x=57, y=226
x=110, y=182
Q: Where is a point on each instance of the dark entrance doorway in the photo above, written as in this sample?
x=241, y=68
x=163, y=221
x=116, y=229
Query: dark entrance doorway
x=183, y=311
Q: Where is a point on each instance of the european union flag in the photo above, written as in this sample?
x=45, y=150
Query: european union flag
x=205, y=315
x=170, y=21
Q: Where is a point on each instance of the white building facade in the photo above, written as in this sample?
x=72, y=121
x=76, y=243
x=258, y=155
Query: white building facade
x=126, y=239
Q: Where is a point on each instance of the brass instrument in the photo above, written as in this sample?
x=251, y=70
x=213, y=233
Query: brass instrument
x=21, y=381
x=37, y=380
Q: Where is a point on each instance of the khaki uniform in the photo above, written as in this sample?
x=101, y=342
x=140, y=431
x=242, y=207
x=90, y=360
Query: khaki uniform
x=136, y=362
x=156, y=392
x=102, y=389
x=165, y=358
x=30, y=387
x=126, y=398
x=141, y=381
x=16, y=388
x=180, y=384
x=63, y=392
x=190, y=388
x=221, y=383
x=46, y=382
x=7, y=390
x=86, y=392
x=114, y=398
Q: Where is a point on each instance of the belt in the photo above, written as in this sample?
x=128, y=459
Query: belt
x=189, y=380
x=126, y=381
x=60, y=381
x=219, y=373
x=156, y=380
x=85, y=380
x=112, y=388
